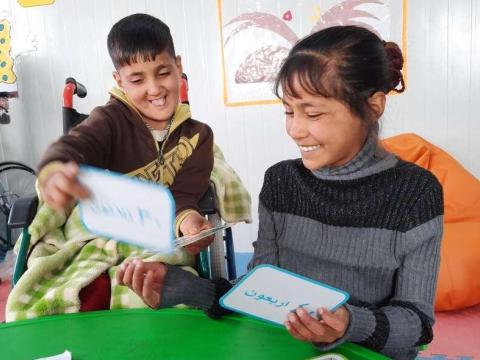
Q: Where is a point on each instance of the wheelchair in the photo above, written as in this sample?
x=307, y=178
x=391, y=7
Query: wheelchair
x=216, y=261
x=16, y=180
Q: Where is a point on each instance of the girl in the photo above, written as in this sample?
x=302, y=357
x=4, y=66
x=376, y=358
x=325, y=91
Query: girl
x=347, y=213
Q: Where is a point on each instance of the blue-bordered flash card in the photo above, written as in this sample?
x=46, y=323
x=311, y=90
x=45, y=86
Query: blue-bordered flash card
x=270, y=293
x=128, y=209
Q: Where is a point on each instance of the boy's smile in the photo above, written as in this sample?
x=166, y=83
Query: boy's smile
x=153, y=87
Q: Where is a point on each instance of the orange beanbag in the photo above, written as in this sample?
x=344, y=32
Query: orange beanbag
x=459, y=279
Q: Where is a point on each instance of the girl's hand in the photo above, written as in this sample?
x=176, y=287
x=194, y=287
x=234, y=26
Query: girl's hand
x=144, y=278
x=329, y=328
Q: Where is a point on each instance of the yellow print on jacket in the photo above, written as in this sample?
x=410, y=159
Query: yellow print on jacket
x=173, y=162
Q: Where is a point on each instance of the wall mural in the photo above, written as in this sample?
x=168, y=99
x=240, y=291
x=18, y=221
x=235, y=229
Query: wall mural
x=7, y=75
x=15, y=40
x=257, y=35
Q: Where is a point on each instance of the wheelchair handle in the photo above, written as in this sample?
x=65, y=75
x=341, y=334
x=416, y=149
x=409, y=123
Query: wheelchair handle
x=72, y=87
x=183, y=95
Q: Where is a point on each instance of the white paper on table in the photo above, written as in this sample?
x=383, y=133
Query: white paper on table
x=128, y=209
x=270, y=293
x=66, y=355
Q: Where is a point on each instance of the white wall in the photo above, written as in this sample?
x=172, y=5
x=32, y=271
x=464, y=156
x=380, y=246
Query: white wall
x=440, y=104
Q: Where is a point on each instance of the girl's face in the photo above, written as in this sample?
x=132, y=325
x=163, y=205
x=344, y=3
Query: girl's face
x=327, y=133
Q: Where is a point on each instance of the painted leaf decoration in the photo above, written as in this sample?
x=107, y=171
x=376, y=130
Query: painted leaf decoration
x=264, y=21
x=345, y=13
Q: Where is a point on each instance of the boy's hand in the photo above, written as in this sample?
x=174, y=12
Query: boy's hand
x=144, y=278
x=192, y=225
x=61, y=188
x=331, y=327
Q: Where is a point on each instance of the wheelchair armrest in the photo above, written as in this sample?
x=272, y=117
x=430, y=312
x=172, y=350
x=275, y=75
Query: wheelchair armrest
x=208, y=204
x=22, y=212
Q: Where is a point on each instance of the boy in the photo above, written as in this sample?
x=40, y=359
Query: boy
x=142, y=131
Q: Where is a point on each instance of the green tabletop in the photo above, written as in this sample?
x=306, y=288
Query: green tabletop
x=165, y=334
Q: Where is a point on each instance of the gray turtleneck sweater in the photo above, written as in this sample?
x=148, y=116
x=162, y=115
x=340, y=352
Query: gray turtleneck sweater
x=371, y=227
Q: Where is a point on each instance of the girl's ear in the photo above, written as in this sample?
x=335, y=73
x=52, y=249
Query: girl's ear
x=377, y=103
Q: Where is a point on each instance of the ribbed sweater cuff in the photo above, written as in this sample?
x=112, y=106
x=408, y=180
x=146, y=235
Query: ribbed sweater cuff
x=362, y=323
x=360, y=327
x=182, y=287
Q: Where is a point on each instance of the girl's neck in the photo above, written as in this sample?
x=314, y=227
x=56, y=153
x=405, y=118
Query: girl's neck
x=370, y=159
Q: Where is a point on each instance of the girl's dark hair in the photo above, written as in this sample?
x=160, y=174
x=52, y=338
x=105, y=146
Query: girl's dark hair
x=138, y=37
x=347, y=63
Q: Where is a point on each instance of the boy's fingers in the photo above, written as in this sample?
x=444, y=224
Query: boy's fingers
x=205, y=224
x=58, y=197
x=70, y=186
x=193, y=249
x=49, y=200
x=79, y=191
x=70, y=169
x=64, y=183
x=194, y=223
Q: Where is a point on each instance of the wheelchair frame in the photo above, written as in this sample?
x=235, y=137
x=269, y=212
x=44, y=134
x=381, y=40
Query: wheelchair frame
x=218, y=261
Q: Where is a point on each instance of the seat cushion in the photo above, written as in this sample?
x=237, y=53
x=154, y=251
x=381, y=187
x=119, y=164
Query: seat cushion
x=459, y=282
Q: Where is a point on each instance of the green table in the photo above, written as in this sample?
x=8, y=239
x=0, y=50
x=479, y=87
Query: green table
x=165, y=334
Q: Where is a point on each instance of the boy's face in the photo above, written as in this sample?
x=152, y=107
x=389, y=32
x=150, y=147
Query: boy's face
x=153, y=87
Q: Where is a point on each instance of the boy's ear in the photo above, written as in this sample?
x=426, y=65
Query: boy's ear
x=117, y=78
x=178, y=63
x=377, y=103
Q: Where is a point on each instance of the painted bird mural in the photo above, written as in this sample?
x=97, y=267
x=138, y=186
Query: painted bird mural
x=263, y=63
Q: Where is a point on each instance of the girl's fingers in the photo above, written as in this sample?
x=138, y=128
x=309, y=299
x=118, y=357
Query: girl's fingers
x=332, y=320
x=119, y=274
x=312, y=324
x=149, y=293
x=138, y=277
x=293, y=331
x=299, y=327
x=127, y=276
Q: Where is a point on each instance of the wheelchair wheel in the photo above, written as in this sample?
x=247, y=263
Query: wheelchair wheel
x=16, y=180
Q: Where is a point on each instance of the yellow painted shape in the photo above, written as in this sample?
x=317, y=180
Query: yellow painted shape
x=27, y=3
x=6, y=62
x=317, y=14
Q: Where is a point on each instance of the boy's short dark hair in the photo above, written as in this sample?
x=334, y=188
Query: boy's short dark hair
x=138, y=37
